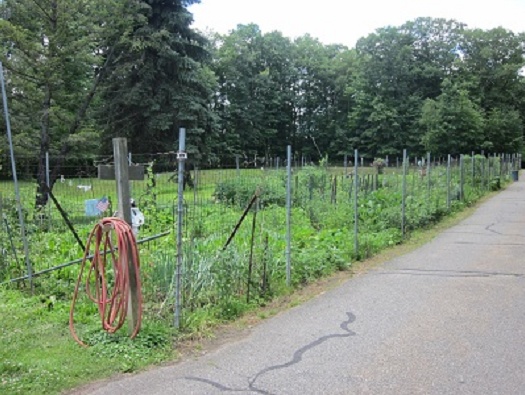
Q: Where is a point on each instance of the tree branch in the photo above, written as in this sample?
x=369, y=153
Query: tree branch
x=43, y=10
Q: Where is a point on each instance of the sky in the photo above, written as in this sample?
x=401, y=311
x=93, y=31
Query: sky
x=345, y=21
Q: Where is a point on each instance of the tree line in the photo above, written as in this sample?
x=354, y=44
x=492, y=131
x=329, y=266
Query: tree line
x=80, y=72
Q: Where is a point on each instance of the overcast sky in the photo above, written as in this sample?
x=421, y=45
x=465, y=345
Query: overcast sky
x=345, y=21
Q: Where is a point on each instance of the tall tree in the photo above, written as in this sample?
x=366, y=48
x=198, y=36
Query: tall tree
x=503, y=131
x=451, y=124
x=279, y=97
x=159, y=82
x=52, y=52
x=243, y=81
x=398, y=68
x=322, y=100
x=491, y=61
x=255, y=100
x=379, y=124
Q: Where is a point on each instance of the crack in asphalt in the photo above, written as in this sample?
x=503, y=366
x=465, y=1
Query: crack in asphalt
x=450, y=273
x=296, y=358
x=214, y=384
x=489, y=228
x=465, y=233
x=488, y=244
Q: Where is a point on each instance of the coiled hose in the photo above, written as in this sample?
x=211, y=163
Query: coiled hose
x=112, y=302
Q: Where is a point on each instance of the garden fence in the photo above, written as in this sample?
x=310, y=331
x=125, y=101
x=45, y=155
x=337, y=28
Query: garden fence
x=236, y=218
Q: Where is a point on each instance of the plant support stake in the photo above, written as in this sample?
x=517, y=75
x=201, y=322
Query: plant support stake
x=448, y=182
x=429, y=185
x=15, y=179
x=356, y=212
x=461, y=179
x=404, y=194
x=288, y=215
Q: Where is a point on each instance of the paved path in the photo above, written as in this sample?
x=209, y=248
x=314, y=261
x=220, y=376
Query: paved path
x=448, y=318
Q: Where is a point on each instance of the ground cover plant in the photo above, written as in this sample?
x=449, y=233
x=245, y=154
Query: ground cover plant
x=38, y=357
x=220, y=281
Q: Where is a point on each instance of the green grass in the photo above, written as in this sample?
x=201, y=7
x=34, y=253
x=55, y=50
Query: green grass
x=38, y=355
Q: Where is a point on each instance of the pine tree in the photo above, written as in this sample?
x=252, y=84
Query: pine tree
x=158, y=82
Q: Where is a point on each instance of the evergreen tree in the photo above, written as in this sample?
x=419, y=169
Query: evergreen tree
x=158, y=82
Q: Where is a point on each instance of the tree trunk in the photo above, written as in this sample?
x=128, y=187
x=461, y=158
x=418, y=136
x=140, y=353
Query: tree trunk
x=41, y=195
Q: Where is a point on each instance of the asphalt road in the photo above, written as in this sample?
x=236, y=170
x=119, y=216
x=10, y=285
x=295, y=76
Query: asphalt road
x=448, y=318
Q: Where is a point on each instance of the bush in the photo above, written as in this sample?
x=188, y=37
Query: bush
x=238, y=192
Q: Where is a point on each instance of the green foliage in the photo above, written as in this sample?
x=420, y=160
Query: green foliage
x=495, y=184
x=144, y=73
x=159, y=80
x=399, y=68
x=490, y=67
x=54, y=55
x=152, y=343
x=231, y=308
x=239, y=192
x=321, y=254
x=452, y=123
x=503, y=131
x=38, y=355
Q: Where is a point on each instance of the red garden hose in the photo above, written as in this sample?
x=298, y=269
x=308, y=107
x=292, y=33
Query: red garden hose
x=112, y=303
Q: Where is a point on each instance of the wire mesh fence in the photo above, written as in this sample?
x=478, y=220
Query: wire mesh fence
x=234, y=234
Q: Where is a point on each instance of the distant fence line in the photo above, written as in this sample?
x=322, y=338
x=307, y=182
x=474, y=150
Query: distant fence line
x=86, y=167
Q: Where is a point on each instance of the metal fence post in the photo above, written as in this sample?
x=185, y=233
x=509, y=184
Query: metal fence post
x=461, y=179
x=489, y=171
x=428, y=174
x=181, y=157
x=473, y=170
x=494, y=166
x=403, y=194
x=484, y=173
x=448, y=182
x=15, y=180
x=356, y=204
x=288, y=215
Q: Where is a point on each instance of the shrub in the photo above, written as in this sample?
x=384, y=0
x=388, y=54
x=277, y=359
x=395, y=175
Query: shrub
x=238, y=192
